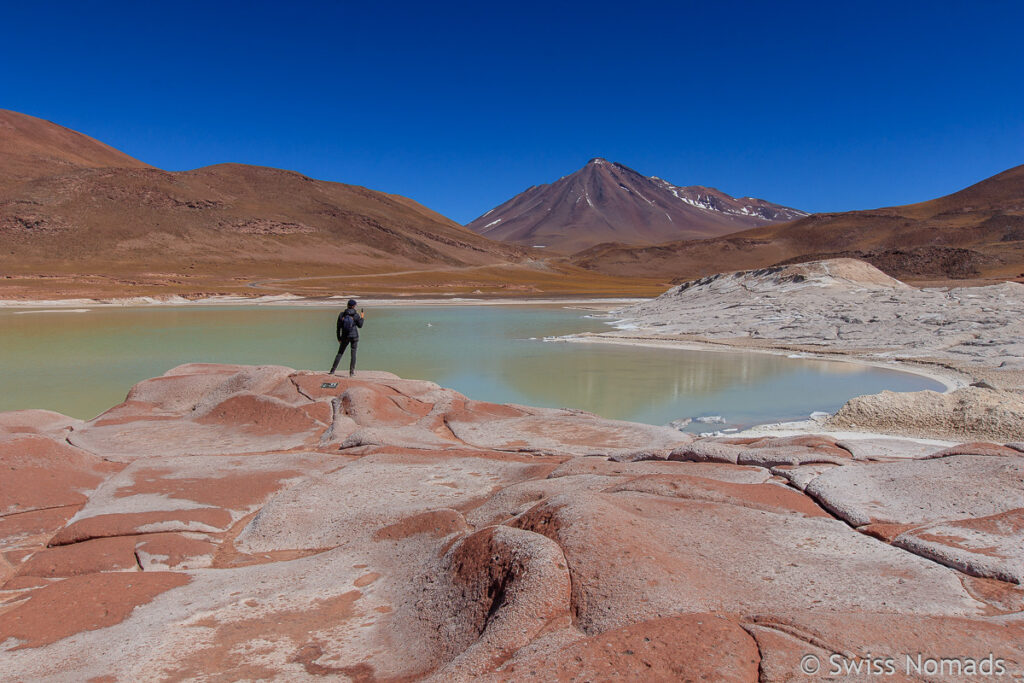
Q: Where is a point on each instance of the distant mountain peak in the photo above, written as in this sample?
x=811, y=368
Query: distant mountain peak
x=606, y=201
x=976, y=233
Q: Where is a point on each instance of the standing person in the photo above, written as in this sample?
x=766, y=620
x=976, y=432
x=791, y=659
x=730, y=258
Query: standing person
x=349, y=323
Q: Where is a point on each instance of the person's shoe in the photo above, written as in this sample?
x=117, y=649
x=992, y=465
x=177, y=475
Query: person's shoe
x=351, y=373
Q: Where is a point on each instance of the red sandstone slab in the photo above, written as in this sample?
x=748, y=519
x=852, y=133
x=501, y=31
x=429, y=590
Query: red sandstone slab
x=692, y=647
x=382, y=565
x=197, y=493
x=914, y=643
x=35, y=421
x=148, y=552
x=81, y=603
x=40, y=472
x=209, y=519
x=243, y=423
x=818, y=442
x=763, y=452
x=880, y=448
x=991, y=547
x=922, y=491
x=768, y=496
x=740, y=474
x=575, y=434
x=683, y=556
x=977, y=448
x=379, y=490
x=89, y=557
x=23, y=534
x=195, y=410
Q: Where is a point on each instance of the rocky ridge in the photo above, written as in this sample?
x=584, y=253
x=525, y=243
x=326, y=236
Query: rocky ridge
x=238, y=522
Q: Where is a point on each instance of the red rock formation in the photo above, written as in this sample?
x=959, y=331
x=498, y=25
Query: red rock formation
x=231, y=522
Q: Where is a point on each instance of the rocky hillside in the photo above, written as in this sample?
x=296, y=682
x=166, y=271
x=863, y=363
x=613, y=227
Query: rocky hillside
x=975, y=233
x=232, y=522
x=70, y=202
x=608, y=202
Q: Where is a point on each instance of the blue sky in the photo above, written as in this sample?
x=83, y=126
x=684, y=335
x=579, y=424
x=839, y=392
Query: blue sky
x=821, y=106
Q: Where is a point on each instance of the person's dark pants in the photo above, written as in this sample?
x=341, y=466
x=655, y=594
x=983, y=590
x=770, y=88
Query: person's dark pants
x=341, y=349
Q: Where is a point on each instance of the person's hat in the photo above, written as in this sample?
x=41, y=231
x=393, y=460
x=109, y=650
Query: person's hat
x=351, y=303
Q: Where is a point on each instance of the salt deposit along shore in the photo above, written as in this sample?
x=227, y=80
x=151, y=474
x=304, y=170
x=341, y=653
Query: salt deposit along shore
x=971, y=339
x=261, y=523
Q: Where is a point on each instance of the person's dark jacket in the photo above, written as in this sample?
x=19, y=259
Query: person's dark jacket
x=354, y=330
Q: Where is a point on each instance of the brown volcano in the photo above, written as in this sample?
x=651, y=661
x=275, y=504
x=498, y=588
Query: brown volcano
x=608, y=202
x=977, y=233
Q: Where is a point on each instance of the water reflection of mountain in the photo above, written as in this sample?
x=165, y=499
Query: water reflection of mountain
x=630, y=382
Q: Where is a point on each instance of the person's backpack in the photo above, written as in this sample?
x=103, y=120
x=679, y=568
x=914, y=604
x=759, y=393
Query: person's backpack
x=348, y=323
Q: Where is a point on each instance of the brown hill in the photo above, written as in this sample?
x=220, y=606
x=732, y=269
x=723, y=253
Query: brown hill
x=227, y=213
x=606, y=201
x=78, y=218
x=31, y=148
x=975, y=233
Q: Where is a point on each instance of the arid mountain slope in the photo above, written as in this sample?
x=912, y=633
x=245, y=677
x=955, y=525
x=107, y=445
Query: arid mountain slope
x=606, y=201
x=73, y=207
x=31, y=148
x=228, y=213
x=975, y=233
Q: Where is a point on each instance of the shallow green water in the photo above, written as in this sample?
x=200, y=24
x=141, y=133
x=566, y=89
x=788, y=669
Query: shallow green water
x=81, y=363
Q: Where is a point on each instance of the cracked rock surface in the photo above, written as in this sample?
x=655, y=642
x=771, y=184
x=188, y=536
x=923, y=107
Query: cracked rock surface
x=248, y=523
